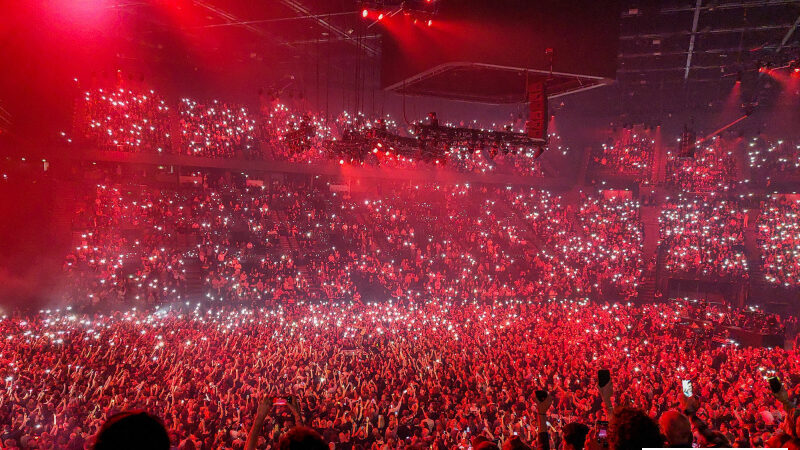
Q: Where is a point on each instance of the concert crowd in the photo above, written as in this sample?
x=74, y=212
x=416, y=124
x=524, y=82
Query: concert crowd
x=779, y=236
x=381, y=375
x=704, y=237
x=298, y=239
x=137, y=121
x=399, y=315
x=628, y=152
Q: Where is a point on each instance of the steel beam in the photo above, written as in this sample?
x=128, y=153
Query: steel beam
x=666, y=34
x=299, y=8
x=788, y=35
x=691, y=40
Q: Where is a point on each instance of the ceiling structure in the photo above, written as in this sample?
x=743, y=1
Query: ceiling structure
x=274, y=39
x=676, y=54
x=689, y=53
x=673, y=55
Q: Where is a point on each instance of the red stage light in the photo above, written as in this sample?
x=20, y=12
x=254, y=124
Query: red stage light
x=430, y=22
x=364, y=13
x=341, y=161
x=380, y=16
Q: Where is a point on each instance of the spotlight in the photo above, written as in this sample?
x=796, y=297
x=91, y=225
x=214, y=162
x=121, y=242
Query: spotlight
x=364, y=13
x=380, y=16
x=430, y=22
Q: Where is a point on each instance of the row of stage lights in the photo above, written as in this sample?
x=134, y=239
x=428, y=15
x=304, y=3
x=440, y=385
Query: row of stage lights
x=420, y=11
x=793, y=66
x=379, y=16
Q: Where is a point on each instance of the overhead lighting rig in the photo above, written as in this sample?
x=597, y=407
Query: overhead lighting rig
x=430, y=142
x=419, y=11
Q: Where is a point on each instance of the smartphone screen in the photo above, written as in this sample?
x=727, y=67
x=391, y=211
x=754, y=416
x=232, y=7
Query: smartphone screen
x=279, y=401
x=602, y=432
x=603, y=377
x=775, y=384
x=687, y=388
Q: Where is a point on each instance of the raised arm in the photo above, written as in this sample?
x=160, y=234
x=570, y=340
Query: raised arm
x=541, y=417
x=261, y=414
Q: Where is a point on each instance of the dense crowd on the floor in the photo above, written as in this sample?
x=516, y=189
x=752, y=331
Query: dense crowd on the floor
x=381, y=375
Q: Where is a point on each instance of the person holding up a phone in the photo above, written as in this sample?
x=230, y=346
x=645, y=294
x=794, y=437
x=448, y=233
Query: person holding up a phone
x=627, y=427
x=573, y=434
x=791, y=425
x=265, y=405
x=606, y=389
x=690, y=406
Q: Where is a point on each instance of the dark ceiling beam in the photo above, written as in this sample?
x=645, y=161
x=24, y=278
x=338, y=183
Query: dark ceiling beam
x=633, y=86
x=666, y=69
x=731, y=5
x=628, y=37
x=691, y=40
x=325, y=40
x=716, y=50
x=232, y=19
x=301, y=9
x=788, y=35
x=277, y=19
